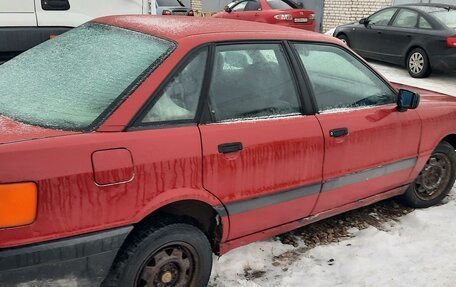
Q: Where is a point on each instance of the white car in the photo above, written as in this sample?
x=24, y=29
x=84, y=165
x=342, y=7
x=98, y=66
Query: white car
x=26, y=23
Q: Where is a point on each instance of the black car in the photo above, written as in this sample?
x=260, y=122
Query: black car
x=421, y=36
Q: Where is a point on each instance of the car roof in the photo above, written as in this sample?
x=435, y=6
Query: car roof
x=178, y=27
x=436, y=5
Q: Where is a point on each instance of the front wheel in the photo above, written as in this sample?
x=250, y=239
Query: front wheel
x=435, y=180
x=175, y=255
x=344, y=39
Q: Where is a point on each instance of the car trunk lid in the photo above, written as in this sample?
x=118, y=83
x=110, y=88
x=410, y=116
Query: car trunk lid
x=300, y=16
x=13, y=131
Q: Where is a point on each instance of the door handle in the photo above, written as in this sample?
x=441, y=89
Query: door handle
x=379, y=32
x=337, y=133
x=230, y=147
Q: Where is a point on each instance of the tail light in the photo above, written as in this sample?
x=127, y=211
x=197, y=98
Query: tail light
x=166, y=12
x=283, y=17
x=312, y=17
x=191, y=13
x=18, y=204
x=451, y=42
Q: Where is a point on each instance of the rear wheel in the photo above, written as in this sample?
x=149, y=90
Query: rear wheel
x=418, y=63
x=175, y=255
x=435, y=180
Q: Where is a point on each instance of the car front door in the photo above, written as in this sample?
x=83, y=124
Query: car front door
x=365, y=36
x=370, y=146
x=251, y=11
x=262, y=156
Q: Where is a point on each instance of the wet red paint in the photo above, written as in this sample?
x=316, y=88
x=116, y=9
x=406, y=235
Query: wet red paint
x=171, y=164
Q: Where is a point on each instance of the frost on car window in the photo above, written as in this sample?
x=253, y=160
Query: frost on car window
x=179, y=100
x=71, y=81
x=339, y=80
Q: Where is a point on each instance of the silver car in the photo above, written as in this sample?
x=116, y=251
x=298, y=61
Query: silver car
x=172, y=7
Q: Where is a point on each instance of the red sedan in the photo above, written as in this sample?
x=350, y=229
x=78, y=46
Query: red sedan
x=133, y=147
x=279, y=12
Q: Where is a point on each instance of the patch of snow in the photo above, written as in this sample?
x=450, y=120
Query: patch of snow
x=418, y=250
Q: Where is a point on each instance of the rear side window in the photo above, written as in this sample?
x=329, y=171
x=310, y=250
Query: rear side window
x=339, y=80
x=382, y=18
x=250, y=81
x=424, y=24
x=179, y=99
x=73, y=81
x=406, y=19
x=281, y=4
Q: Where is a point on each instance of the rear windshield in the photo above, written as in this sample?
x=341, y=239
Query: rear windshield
x=446, y=16
x=281, y=5
x=170, y=3
x=73, y=81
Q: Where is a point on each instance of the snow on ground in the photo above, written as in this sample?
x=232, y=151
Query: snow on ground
x=416, y=250
x=443, y=83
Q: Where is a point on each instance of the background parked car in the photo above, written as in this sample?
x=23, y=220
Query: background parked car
x=422, y=37
x=280, y=12
x=172, y=7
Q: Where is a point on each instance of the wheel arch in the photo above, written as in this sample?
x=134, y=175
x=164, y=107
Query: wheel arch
x=451, y=139
x=197, y=207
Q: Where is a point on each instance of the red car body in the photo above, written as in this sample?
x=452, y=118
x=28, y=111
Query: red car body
x=294, y=18
x=289, y=173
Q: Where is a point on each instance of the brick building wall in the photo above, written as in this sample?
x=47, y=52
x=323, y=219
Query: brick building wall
x=196, y=5
x=337, y=12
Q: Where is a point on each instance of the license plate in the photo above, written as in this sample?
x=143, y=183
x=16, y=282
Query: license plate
x=179, y=13
x=301, y=20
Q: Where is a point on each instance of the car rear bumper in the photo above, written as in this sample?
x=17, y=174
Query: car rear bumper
x=307, y=27
x=78, y=261
x=444, y=63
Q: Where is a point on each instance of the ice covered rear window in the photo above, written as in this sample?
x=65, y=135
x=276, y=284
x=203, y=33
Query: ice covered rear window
x=74, y=80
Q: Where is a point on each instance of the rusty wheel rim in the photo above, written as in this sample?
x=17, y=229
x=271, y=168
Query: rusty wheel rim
x=434, y=178
x=171, y=266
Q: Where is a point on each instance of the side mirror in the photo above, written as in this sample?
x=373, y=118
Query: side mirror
x=407, y=100
x=364, y=21
x=228, y=9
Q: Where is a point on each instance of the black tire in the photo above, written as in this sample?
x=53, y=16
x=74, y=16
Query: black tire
x=441, y=167
x=166, y=251
x=344, y=39
x=418, y=64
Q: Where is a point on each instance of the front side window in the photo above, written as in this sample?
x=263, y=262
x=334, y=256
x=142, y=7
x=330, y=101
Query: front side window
x=71, y=82
x=179, y=99
x=382, y=18
x=240, y=6
x=252, y=5
x=339, y=80
x=406, y=19
x=250, y=81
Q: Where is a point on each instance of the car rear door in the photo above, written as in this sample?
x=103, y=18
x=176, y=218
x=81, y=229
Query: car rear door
x=370, y=146
x=251, y=11
x=262, y=157
x=401, y=35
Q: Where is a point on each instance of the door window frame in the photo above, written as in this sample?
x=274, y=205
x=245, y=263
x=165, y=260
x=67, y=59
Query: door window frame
x=396, y=16
x=391, y=19
x=308, y=82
